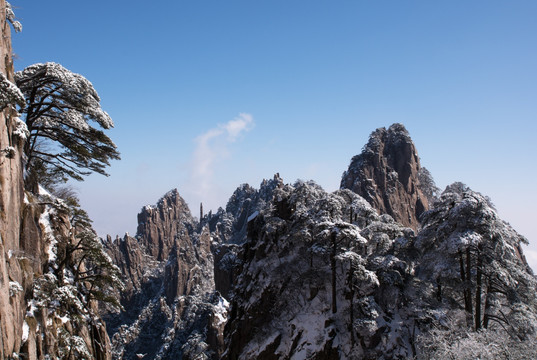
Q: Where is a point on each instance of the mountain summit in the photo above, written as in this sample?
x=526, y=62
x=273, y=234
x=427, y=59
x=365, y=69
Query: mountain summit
x=386, y=174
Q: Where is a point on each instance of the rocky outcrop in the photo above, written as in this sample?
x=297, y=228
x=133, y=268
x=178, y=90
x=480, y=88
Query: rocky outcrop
x=158, y=226
x=318, y=275
x=229, y=225
x=386, y=174
x=170, y=291
x=178, y=273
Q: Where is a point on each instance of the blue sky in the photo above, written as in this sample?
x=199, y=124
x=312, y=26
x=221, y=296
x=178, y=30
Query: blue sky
x=206, y=95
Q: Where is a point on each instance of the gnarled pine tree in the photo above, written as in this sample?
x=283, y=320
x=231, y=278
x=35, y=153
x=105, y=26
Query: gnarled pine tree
x=61, y=109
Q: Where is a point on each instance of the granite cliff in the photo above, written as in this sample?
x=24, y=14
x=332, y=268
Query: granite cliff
x=177, y=270
x=13, y=278
x=43, y=310
x=386, y=174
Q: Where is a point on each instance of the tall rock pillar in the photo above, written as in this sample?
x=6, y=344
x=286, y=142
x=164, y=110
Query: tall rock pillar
x=386, y=175
x=11, y=200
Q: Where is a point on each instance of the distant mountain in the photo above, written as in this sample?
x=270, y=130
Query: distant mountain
x=385, y=268
x=175, y=270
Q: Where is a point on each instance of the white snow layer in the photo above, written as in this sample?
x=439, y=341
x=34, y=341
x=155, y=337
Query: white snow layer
x=44, y=221
x=220, y=310
x=25, y=331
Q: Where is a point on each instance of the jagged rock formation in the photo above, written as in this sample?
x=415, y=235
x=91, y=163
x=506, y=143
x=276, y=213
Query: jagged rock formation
x=230, y=228
x=309, y=274
x=386, y=174
x=230, y=225
x=175, y=270
x=316, y=275
x=159, y=226
x=171, y=307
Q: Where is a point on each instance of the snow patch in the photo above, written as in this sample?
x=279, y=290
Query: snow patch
x=44, y=221
x=221, y=310
x=14, y=288
x=41, y=191
x=33, y=308
x=20, y=129
x=25, y=331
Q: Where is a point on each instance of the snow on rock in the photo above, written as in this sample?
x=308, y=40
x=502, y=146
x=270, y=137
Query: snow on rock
x=316, y=275
x=14, y=288
x=20, y=129
x=25, y=331
x=44, y=222
x=221, y=311
x=284, y=291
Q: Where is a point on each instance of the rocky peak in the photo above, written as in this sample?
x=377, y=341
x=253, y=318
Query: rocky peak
x=386, y=175
x=170, y=289
x=159, y=225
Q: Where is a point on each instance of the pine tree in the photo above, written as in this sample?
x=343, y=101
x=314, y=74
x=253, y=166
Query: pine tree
x=61, y=110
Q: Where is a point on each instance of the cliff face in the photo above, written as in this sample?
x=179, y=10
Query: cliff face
x=13, y=279
x=35, y=231
x=60, y=318
x=386, y=174
x=159, y=226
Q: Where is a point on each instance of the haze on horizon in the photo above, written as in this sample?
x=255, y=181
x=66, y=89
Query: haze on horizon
x=207, y=96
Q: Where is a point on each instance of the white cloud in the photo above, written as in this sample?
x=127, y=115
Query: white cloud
x=243, y=122
x=212, y=147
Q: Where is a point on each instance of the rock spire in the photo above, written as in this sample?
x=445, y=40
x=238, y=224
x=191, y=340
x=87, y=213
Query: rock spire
x=386, y=174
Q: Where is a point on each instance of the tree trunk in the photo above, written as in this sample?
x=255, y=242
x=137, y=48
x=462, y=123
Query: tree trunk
x=333, y=267
x=351, y=290
x=463, y=279
x=478, y=290
x=487, y=308
x=468, y=287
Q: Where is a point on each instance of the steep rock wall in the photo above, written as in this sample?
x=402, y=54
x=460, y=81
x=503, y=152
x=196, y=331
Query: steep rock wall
x=159, y=226
x=28, y=328
x=11, y=199
x=386, y=174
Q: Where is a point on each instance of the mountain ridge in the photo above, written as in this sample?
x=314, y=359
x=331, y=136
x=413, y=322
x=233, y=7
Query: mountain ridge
x=308, y=274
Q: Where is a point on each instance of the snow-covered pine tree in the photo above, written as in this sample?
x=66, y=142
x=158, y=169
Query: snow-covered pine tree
x=61, y=110
x=475, y=261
